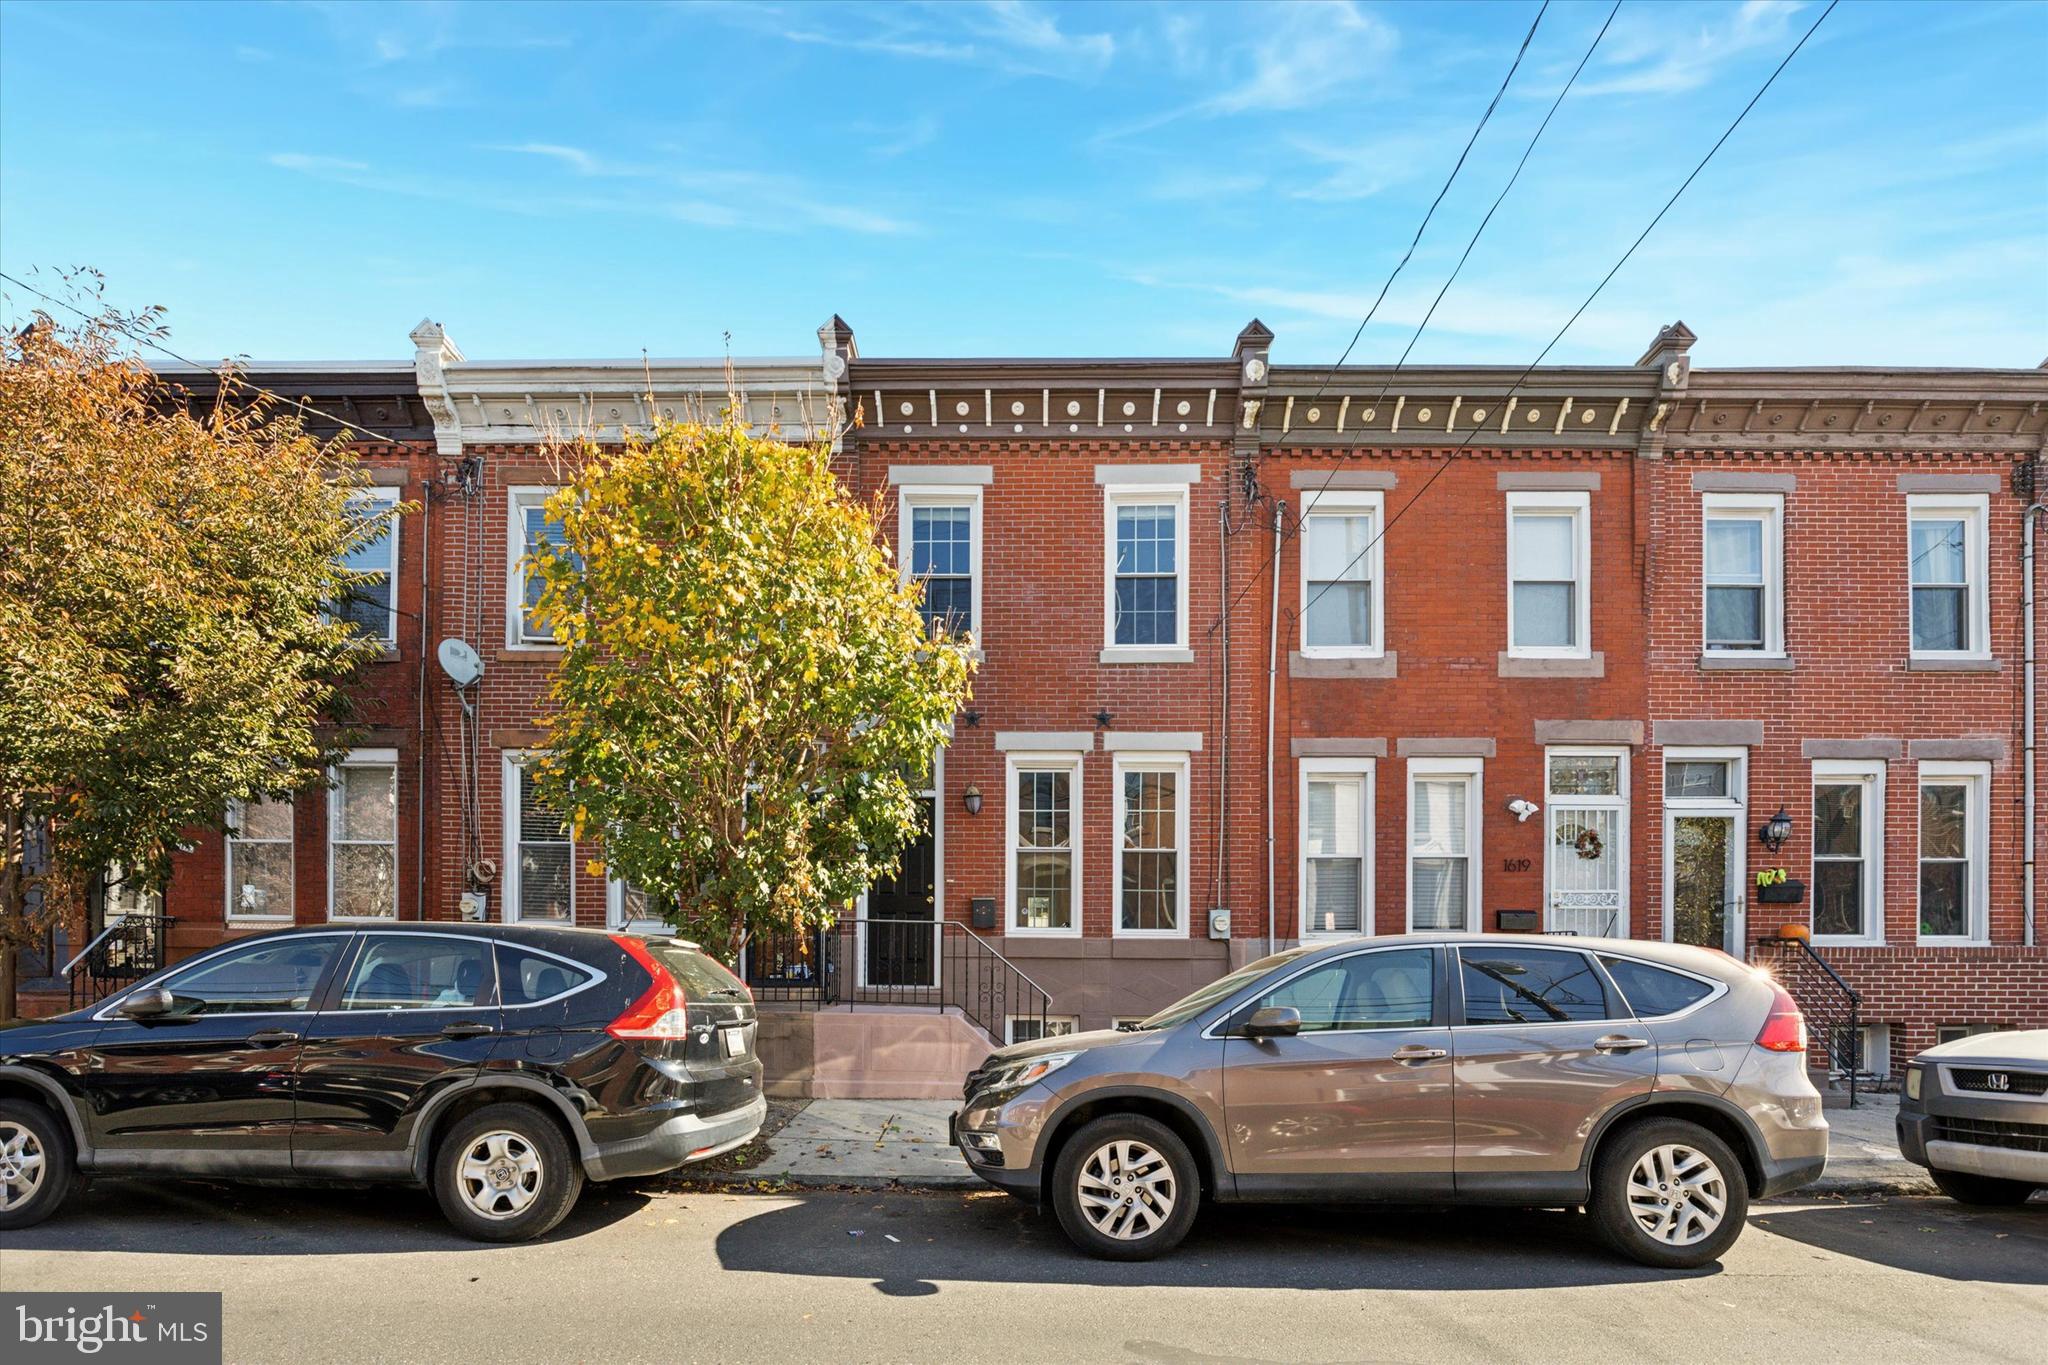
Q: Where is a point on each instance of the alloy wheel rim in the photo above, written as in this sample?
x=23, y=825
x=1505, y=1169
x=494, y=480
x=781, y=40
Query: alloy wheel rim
x=1677, y=1195
x=1127, y=1190
x=22, y=1163
x=500, y=1175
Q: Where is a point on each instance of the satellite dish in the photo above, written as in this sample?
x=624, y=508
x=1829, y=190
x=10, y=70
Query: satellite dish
x=460, y=663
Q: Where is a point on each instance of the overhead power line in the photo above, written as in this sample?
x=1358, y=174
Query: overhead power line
x=231, y=375
x=1580, y=310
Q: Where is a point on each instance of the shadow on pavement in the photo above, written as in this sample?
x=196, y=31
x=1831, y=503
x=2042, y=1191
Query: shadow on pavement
x=1925, y=1236
x=993, y=1238
x=210, y=1218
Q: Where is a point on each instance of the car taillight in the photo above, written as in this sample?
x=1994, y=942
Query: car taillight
x=662, y=1011
x=1784, y=1029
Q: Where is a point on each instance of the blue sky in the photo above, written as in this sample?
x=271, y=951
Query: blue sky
x=309, y=180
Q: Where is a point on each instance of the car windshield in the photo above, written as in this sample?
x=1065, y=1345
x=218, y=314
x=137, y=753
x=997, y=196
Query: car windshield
x=1222, y=988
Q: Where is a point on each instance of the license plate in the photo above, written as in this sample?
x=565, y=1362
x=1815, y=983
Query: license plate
x=735, y=1041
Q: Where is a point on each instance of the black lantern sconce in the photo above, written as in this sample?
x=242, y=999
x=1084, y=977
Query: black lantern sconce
x=971, y=798
x=1775, y=831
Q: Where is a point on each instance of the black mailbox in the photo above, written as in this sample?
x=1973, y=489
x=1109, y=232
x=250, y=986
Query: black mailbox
x=1516, y=921
x=982, y=911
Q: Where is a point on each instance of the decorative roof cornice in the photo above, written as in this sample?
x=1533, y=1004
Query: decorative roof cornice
x=370, y=398
x=1042, y=398
x=532, y=402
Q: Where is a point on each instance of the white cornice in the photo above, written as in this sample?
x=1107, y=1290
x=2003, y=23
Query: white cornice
x=529, y=402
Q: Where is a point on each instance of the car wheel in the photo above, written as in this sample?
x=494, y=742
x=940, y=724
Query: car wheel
x=1125, y=1188
x=1669, y=1194
x=35, y=1163
x=506, y=1174
x=1965, y=1188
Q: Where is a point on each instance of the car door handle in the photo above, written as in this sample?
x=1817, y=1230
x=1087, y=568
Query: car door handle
x=272, y=1037
x=1415, y=1052
x=1619, y=1042
x=466, y=1028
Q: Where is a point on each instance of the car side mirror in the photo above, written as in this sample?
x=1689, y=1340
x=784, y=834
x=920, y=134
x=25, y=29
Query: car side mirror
x=1275, y=1021
x=150, y=1003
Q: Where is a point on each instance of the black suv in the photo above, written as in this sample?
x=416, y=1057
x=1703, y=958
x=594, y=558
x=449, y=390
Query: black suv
x=498, y=1065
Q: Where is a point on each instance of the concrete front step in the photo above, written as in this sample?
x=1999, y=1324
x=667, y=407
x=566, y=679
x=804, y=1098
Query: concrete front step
x=869, y=1052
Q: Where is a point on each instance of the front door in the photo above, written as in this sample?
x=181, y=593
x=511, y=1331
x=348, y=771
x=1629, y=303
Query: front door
x=1706, y=909
x=416, y=1015
x=212, y=1079
x=1359, y=1102
x=899, y=924
x=1544, y=1050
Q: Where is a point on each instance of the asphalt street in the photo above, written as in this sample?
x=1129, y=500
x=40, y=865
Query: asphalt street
x=337, y=1275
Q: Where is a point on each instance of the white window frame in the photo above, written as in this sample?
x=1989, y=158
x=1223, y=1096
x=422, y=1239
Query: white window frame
x=912, y=496
x=615, y=907
x=1473, y=769
x=1975, y=778
x=365, y=758
x=388, y=497
x=1870, y=774
x=1579, y=506
x=1013, y=764
x=510, y=817
x=1974, y=510
x=231, y=837
x=1619, y=802
x=1147, y=762
x=1769, y=509
x=1067, y=1024
x=1115, y=496
x=1363, y=771
x=518, y=498
x=1334, y=506
x=1735, y=806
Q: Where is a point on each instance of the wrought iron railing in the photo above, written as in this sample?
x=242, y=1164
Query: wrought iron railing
x=128, y=949
x=926, y=963
x=1831, y=1005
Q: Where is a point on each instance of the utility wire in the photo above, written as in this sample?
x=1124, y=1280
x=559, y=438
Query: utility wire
x=1484, y=118
x=229, y=373
x=1477, y=232
x=1512, y=388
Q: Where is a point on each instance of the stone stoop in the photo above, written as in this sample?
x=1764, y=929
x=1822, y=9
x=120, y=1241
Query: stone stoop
x=869, y=1052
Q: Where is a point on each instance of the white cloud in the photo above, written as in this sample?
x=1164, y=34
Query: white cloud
x=1013, y=36
x=311, y=164
x=1668, y=51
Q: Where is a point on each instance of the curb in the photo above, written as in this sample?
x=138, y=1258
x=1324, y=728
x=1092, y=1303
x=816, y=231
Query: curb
x=754, y=1180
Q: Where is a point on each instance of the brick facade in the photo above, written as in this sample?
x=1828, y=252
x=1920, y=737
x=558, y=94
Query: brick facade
x=1440, y=455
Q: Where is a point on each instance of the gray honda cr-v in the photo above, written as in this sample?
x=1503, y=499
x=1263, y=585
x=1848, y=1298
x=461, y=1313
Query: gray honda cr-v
x=1661, y=1087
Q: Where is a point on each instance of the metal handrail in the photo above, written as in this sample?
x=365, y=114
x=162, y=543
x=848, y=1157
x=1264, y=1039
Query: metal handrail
x=997, y=954
x=86, y=951
x=1851, y=998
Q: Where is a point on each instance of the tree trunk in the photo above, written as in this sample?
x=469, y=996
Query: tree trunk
x=9, y=959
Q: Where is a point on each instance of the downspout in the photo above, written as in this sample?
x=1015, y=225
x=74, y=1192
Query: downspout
x=1272, y=685
x=2029, y=520
x=419, y=838
x=1223, y=698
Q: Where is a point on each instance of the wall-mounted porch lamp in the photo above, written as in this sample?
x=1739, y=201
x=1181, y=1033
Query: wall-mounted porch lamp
x=971, y=798
x=1775, y=831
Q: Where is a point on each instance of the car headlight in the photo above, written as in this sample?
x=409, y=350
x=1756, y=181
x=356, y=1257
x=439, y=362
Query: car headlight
x=1913, y=1074
x=1029, y=1071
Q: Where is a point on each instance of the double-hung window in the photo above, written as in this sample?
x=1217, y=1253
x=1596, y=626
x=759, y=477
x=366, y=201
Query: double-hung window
x=1336, y=847
x=371, y=603
x=539, y=854
x=1145, y=534
x=531, y=528
x=1044, y=844
x=362, y=836
x=1947, y=571
x=1954, y=853
x=1549, y=575
x=1151, y=827
x=1742, y=573
x=1341, y=592
x=941, y=529
x=1848, y=852
x=1586, y=872
x=1443, y=843
x=259, y=849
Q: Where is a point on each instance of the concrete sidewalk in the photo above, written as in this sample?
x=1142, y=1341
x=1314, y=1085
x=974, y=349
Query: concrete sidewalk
x=902, y=1144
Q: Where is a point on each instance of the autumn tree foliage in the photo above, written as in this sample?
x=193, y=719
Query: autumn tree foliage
x=749, y=697
x=165, y=640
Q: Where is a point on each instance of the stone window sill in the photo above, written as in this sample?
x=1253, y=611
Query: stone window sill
x=1515, y=666
x=1145, y=654
x=1732, y=662
x=1300, y=665
x=1954, y=666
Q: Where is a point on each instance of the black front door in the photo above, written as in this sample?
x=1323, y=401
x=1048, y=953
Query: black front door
x=416, y=1015
x=212, y=1079
x=899, y=935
